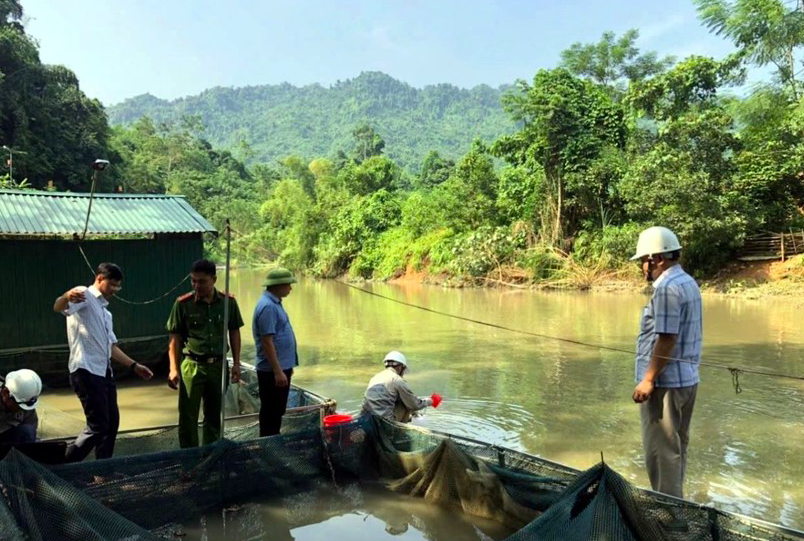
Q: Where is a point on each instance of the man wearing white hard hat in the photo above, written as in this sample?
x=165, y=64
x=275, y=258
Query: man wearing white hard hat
x=19, y=393
x=667, y=357
x=388, y=394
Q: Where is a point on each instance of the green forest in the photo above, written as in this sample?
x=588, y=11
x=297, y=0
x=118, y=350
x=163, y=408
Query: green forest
x=546, y=181
x=275, y=121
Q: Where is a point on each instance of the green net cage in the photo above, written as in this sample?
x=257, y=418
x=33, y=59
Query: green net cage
x=168, y=493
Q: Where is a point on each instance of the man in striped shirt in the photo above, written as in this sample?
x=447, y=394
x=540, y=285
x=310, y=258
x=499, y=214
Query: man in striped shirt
x=668, y=353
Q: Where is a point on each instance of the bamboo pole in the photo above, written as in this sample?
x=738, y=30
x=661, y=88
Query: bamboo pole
x=225, y=361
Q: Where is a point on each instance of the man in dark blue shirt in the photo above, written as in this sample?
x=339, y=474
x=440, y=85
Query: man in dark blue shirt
x=276, y=349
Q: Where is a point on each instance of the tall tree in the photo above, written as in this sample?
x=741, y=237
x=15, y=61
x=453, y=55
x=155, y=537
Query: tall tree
x=55, y=130
x=693, y=83
x=435, y=170
x=368, y=143
x=613, y=59
x=765, y=31
x=567, y=123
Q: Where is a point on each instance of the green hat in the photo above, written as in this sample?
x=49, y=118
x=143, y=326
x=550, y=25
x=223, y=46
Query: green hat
x=279, y=276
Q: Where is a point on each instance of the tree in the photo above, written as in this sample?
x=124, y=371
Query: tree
x=290, y=224
x=770, y=165
x=299, y=169
x=368, y=143
x=355, y=227
x=10, y=13
x=56, y=128
x=435, y=170
x=613, y=59
x=692, y=83
x=765, y=32
x=470, y=192
x=373, y=174
x=566, y=125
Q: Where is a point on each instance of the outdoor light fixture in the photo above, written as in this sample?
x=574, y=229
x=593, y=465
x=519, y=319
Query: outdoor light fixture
x=10, y=163
x=100, y=165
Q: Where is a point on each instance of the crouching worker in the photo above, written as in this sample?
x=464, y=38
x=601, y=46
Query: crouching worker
x=389, y=396
x=19, y=393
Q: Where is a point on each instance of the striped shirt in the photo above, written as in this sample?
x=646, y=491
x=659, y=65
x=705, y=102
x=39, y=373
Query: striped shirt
x=674, y=308
x=90, y=333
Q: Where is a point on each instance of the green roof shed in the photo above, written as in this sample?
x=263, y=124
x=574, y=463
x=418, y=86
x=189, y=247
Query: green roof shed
x=154, y=239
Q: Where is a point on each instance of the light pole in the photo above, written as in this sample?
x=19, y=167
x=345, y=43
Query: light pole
x=99, y=165
x=10, y=164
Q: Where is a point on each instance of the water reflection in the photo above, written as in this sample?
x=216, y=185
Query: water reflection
x=562, y=401
x=549, y=398
x=363, y=512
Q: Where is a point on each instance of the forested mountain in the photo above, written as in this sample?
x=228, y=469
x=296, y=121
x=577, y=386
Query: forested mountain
x=269, y=122
x=548, y=181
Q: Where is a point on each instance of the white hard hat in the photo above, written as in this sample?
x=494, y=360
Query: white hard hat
x=397, y=357
x=656, y=240
x=25, y=387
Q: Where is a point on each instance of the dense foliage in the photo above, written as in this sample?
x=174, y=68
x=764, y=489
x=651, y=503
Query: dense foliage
x=375, y=179
x=277, y=120
x=50, y=130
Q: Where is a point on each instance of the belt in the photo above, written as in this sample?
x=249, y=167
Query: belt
x=209, y=359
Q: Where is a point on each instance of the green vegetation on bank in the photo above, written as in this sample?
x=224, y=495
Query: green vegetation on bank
x=590, y=152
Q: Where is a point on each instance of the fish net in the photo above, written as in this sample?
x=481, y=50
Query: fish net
x=305, y=410
x=160, y=495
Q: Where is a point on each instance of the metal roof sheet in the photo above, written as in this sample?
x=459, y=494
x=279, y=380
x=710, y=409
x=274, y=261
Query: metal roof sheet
x=64, y=213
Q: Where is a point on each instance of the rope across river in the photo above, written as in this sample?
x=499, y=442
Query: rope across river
x=734, y=370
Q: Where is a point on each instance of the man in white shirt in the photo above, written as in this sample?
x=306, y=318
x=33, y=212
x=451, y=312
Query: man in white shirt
x=92, y=346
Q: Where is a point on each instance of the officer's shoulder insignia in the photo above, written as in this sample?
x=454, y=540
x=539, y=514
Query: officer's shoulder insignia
x=186, y=296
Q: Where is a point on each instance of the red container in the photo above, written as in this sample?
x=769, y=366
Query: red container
x=337, y=419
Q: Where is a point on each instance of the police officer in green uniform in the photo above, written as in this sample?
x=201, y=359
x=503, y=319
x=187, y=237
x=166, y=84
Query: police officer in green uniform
x=197, y=360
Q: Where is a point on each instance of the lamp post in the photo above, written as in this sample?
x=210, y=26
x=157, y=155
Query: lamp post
x=10, y=163
x=99, y=165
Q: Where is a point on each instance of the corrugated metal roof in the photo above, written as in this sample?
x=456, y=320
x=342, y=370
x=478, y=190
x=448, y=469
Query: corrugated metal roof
x=63, y=213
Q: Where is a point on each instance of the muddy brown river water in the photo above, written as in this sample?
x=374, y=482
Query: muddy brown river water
x=561, y=401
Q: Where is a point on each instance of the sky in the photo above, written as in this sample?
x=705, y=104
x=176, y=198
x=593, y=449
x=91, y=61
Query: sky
x=173, y=48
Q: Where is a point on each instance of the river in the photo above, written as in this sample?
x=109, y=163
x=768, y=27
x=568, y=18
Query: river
x=558, y=400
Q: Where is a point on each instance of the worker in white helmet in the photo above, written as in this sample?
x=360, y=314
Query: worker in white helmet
x=388, y=394
x=19, y=393
x=667, y=357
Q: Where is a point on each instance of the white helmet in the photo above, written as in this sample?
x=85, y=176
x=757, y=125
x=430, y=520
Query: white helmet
x=25, y=387
x=396, y=357
x=656, y=240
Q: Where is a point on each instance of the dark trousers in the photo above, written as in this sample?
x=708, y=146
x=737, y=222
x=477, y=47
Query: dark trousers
x=273, y=402
x=98, y=396
x=19, y=434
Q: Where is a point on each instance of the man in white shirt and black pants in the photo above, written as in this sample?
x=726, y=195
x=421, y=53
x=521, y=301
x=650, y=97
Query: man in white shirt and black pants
x=92, y=346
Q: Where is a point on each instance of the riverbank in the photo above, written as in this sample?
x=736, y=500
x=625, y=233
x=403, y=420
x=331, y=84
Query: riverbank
x=747, y=280
x=760, y=279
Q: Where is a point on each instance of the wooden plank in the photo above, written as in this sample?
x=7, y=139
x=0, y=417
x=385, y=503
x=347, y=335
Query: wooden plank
x=758, y=257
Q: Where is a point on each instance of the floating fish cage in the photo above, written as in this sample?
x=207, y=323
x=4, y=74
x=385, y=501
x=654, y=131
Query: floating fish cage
x=231, y=490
